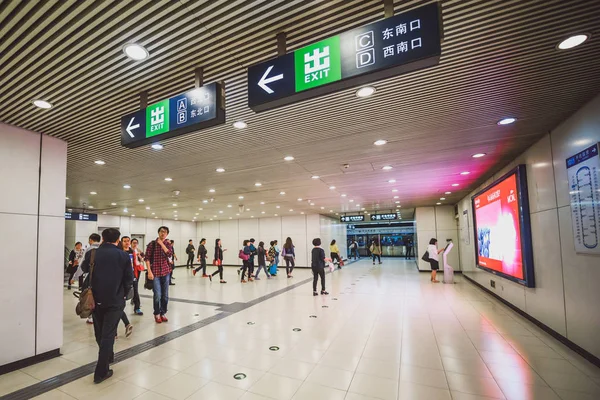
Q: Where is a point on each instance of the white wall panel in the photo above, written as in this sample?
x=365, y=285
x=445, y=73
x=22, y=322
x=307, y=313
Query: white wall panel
x=269, y=229
x=18, y=286
x=19, y=154
x=138, y=226
x=248, y=228
x=125, y=225
x=295, y=227
x=230, y=236
x=53, y=181
x=425, y=217
x=444, y=218
x=50, y=284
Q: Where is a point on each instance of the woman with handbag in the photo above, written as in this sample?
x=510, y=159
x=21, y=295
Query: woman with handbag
x=218, y=261
x=244, y=255
x=289, y=255
x=434, y=259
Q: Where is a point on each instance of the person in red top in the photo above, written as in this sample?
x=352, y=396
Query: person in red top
x=138, y=266
x=159, y=270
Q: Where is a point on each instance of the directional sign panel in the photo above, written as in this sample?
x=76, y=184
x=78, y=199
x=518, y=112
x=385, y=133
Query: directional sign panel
x=384, y=217
x=191, y=111
x=352, y=218
x=395, y=45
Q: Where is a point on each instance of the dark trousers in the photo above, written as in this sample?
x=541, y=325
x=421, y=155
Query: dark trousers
x=245, y=267
x=136, y=294
x=288, y=268
x=409, y=251
x=378, y=257
x=335, y=256
x=190, y=261
x=161, y=294
x=318, y=271
x=124, y=318
x=106, y=320
x=219, y=271
x=250, y=268
x=202, y=266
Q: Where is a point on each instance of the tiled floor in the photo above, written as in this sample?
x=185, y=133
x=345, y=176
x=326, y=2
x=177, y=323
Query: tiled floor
x=385, y=332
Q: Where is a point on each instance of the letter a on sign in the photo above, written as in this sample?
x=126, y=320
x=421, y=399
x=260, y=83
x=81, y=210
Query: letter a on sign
x=181, y=105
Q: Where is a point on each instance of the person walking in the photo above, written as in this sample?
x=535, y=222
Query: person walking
x=375, y=251
x=409, y=247
x=262, y=261
x=289, y=255
x=202, y=258
x=172, y=261
x=157, y=257
x=335, y=253
x=110, y=278
x=272, y=259
x=218, y=261
x=317, y=265
x=244, y=255
x=94, y=242
x=138, y=267
x=125, y=245
x=253, y=252
x=434, y=259
x=354, y=250
x=190, y=250
x=74, y=257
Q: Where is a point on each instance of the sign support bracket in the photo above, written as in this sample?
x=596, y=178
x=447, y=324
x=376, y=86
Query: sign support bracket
x=199, y=77
x=143, y=99
x=281, y=44
x=388, y=8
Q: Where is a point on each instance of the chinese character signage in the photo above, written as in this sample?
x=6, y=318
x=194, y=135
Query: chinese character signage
x=395, y=45
x=384, y=217
x=81, y=216
x=352, y=218
x=196, y=109
x=583, y=170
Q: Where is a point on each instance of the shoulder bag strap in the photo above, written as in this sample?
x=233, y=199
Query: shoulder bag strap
x=92, y=264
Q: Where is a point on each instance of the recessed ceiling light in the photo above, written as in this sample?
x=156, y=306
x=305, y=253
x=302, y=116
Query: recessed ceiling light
x=205, y=201
x=147, y=208
x=386, y=167
x=380, y=142
x=90, y=207
x=126, y=187
x=174, y=204
x=392, y=181
x=442, y=198
x=437, y=204
x=153, y=213
x=506, y=121
x=241, y=197
x=252, y=216
x=125, y=210
x=276, y=215
x=168, y=179
x=465, y=173
x=214, y=216
x=70, y=210
x=103, y=212
x=67, y=198
x=478, y=155
x=211, y=219
x=448, y=193
x=330, y=210
x=299, y=198
x=194, y=217
x=337, y=213
x=92, y=193
x=240, y=125
x=220, y=212
x=322, y=208
x=365, y=91
x=262, y=212
x=258, y=184
x=312, y=204
x=220, y=170
x=282, y=193
x=291, y=209
x=99, y=162
x=113, y=204
x=302, y=212
x=365, y=212
x=229, y=206
x=351, y=200
x=362, y=209
x=200, y=209
x=247, y=209
x=212, y=190
x=573, y=41
x=288, y=158
x=237, y=215
x=141, y=200
x=396, y=197
x=455, y=184
x=397, y=202
x=262, y=203
x=135, y=51
x=331, y=187
x=277, y=206
x=315, y=177
x=344, y=195
x=42, y=104
x=358, y=205
x=394, y=190
x=157, y=146
x=230, y=217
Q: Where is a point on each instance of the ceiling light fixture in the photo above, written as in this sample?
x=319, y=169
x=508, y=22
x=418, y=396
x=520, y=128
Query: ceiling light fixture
x=277, y=206
x=147, y=208
x=386, y=167
x=168, y=179
x=103, y=212
x=397, y=202
x=365, y=91
x=200, y=209
x=351, y=200
x=299, y=198
x=262, y=203
x=174, y=204
x=113, y=204
x=67, y=198
x=141, y=200
x=396, y=197
x=91, y=207
x=506, y=121
x=157, y=146
x=205, y=201
x=42, y=104
x=93, y=193
x=573, y=41
x=455, y=184
x=258, y=184
x=241, y=197
x=392, y=181
x=448, y=193
x=291, y=209
x=220, y=170
x=220, y=212
x=282, y=193
x=240, y=125
x=438, y=204
x=99, y=162
x=465, y=173
x=288, y=158
x=478, y=155
x=312, y=204
x=135, y=51
x=344, y=195
x=394, y=190
x=125, y=210
x=315, y=177
x=380, y=142
x=442, y=198
x=331, y=187
x=126, y=186
x=229, y=206
x=212, y=190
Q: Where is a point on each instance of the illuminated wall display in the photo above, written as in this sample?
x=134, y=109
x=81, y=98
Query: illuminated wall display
x=583, y=170
x=502, y=229
x=384, y=217
x=352, y=218
x=81, y=216
x=191, y=111
x=392, y=46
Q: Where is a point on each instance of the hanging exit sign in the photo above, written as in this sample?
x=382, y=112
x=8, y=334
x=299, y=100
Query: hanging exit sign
x=392, y=46
x=191, y=111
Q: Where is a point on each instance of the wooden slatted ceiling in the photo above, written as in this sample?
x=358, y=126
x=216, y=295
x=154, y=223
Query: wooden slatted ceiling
x=498, y=59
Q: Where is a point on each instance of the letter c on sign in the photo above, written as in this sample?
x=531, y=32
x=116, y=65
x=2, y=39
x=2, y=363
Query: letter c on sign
x=366, y=43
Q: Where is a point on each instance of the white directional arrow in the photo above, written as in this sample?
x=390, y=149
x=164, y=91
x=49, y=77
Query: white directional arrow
x=130, y=127
x=264, y=80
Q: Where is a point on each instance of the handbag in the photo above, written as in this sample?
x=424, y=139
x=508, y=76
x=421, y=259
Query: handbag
x=425, y=256
x=86, y=303
x=129, y=294
x=341, y=263
x=216, y=262
x=148, y=283
x=243, y=256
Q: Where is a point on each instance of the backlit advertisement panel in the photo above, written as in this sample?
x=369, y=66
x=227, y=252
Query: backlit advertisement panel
x=502, y=229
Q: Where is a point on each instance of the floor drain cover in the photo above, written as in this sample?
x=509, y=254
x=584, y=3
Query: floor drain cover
x=312, y=316
x=325, y=306
x=251, y=323
x=273, y=348
x=335, y=298
x=296, y=329
x=239, y=376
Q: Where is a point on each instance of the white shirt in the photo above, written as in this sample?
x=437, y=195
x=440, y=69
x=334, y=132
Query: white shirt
x=433, y=252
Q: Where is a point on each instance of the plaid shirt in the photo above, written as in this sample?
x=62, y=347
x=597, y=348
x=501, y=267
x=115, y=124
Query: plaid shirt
x=159, y=260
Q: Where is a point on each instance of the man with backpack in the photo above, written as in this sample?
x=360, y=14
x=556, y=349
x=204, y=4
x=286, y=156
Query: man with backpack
x=190, y=249
x=110, y=279
x=158, y=254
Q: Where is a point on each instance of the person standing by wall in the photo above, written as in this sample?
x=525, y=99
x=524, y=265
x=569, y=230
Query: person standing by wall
x=375, y=251
x=218, y=261
x=157, y=257
x=202, y=258
x=335, y=253
x=434, y=259
x=111, y=278
x=74, y=257
x=190, y=250
x=289, y=255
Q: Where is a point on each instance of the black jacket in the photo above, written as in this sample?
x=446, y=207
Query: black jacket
x=202, y=251
x=190, y=249
x=112, y=277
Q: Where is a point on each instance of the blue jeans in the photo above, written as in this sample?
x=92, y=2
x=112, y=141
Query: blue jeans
x=262, y=267
x=356, y=255
x=161, y=294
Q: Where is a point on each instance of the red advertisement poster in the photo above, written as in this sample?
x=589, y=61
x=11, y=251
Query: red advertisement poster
x=499, y=246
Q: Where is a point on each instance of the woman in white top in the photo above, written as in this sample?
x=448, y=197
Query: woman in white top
x=434, y=259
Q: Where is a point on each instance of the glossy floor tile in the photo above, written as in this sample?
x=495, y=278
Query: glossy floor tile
x=375, y=337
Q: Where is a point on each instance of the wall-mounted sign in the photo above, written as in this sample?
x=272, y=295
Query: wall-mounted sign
x=81, y=216
x=352, y=218
x=191, y=111
x=384, y=217
x=583, y=170
x=395, y=45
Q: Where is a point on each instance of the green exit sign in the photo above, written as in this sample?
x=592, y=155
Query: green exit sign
x=318, y=64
